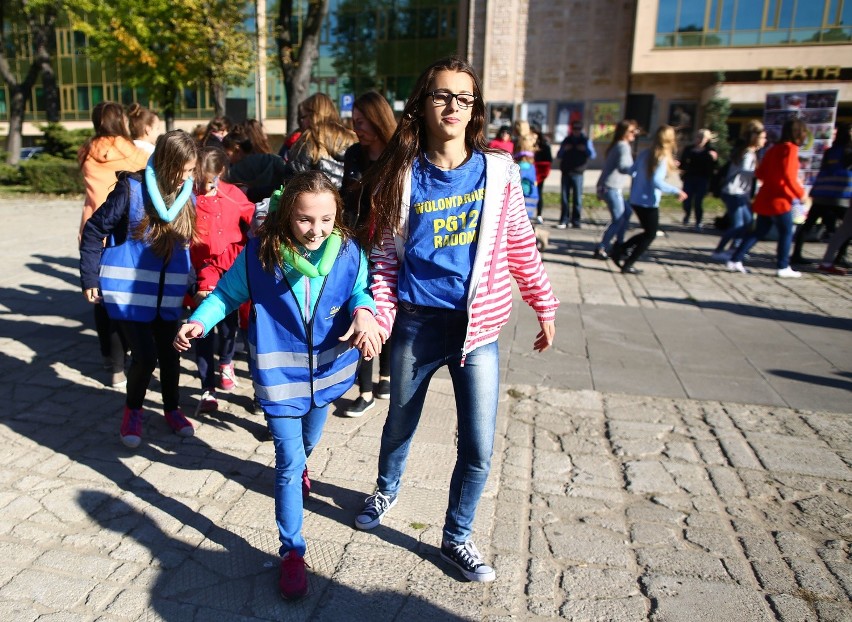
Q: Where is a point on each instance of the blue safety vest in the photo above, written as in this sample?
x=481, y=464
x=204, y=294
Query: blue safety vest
x=299, y=364
x=136, y=284
x=834, y=180
x=530, y=188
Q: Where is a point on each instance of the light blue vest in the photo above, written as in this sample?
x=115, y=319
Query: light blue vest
x=136, y=284
x=529, y=187
x=297, y=365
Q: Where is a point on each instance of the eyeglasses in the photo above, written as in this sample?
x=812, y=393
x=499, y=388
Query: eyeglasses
x=443, y=98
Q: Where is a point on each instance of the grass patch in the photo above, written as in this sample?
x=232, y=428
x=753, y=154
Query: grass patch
x=418, y=526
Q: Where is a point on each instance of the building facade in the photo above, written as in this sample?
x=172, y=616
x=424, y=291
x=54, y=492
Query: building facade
x=659, y=61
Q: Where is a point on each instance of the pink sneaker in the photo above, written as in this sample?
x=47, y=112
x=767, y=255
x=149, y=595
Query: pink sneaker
x=293, y=579
x=131, y=427
x=227, y=377
x=306, y=484
x=179, y=423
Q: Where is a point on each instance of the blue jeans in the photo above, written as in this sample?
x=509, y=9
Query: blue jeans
x=572, y=206
x=784, y=224
x=620, y=213
x=294, y=438
x=695, y=189
x=738, y=208
x=424, y=340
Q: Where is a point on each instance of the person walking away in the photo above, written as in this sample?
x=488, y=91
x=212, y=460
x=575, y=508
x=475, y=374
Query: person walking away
x=697, y=163
x=101, y=158
x=831, y=191
x=738, y=188
x=610, y=187
x=307, y=281
x=144, y=127
x=323, y=143
x=574, y=154
x=374, y=124
x=649, y=183
x=223, y=217
x=779, y=174
x=543, y=162
x=442, y=282
x=141, y=276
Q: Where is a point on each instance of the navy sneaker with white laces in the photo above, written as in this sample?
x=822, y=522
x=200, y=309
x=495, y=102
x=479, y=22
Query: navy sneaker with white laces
x=468, y=559
x=375, y=507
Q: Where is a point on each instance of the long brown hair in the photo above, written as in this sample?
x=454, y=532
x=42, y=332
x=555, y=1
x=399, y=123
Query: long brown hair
x=276, y=229
x=386, y=178
x=378, y=112
x=662, y=147
x=171, y=154
x=624, y=126
x=110, y=121
x=749, y=138
x=140, y=119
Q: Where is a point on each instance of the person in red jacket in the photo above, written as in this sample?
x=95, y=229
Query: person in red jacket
x=779, y=172
x=223, y=216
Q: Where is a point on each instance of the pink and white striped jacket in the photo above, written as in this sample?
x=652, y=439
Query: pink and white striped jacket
x=506, y=246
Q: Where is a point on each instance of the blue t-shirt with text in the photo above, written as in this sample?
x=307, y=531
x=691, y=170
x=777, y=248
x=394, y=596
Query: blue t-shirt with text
x=442, y=235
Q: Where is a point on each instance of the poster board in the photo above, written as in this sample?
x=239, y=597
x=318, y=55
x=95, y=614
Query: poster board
x=605, y=116
x=535, y=113
x=818, y=109
x=566, y=114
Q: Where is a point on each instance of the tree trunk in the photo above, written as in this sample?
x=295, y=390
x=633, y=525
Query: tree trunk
x=296, y=69
x=218, y=92
x=17, y=104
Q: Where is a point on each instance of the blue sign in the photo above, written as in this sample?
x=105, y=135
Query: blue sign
x=346, y=101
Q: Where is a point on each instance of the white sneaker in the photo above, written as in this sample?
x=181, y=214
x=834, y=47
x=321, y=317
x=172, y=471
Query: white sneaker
x=721, y=255
x=788, y=273
x=736, y=266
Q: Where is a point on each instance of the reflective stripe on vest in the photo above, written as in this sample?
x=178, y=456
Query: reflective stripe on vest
x=131, y=274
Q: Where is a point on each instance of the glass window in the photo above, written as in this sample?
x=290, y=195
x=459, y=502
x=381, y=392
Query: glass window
x=749, y=15
x=97, y=94
x=3, y=110
x=82, y=98
x=808, y=13
x=667, y=16
x=691, y=16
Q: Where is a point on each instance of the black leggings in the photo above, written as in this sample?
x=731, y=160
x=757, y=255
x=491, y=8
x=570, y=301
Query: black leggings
x=112, y=342
x=149, y=342
x=632, y=249
x=365, y=369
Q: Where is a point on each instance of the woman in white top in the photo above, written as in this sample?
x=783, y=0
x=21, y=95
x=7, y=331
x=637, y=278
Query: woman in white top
x=738, y=187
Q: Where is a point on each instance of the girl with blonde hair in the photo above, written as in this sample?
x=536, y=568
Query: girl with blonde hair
x=323, y=143
x=649, y=183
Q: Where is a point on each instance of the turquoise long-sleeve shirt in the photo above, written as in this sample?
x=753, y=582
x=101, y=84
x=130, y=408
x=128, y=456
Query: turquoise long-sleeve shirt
x=232, y=290
x=645, y=191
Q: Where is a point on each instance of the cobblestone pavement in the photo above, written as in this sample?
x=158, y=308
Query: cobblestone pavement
x=683, y=493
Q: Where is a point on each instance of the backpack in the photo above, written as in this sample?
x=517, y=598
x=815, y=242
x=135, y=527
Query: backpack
x=720, y=179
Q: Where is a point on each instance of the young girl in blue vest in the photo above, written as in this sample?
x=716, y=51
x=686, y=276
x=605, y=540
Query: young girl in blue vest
x=307, y=280
x=450, y=233
x=141, y=275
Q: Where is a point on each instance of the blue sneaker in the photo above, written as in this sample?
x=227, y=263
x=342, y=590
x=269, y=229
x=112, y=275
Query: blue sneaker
x=468, y=559
x=375, y=506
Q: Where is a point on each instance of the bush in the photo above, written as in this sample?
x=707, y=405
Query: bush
x=10, y=175
x=62, y=142
x=52, y=175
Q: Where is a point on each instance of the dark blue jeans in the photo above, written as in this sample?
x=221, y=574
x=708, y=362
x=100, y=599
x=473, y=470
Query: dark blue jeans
x=572, y=199
x=695, y=189
x=424, y=340
x=738, y=208
x=784, y=224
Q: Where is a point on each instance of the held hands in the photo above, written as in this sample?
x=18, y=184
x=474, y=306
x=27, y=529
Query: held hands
x=545, y=336
x=92, y=295
x=185, y=333
x=682, y=196
x=199, y=297
x=365, y=334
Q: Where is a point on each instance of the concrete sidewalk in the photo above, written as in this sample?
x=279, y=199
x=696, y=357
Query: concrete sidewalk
x=683, y=453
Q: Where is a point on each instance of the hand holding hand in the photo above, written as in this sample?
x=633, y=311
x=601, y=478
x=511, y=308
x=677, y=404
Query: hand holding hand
x=93, y=295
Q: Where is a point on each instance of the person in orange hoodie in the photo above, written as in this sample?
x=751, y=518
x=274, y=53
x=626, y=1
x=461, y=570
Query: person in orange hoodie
x=779, y=173
x=101, y=157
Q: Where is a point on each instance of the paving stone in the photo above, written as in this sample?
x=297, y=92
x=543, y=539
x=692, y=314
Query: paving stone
x=686, y=599
x=648, y=477
x=792, y=609
x=609, y=610
x=586, y=544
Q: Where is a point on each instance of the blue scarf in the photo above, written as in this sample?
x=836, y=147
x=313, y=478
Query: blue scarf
x=166, y=214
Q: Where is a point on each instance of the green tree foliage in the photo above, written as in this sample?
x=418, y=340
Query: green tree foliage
x=27, y=29
x=716, y=113
x=61, y=142
x=164, y=46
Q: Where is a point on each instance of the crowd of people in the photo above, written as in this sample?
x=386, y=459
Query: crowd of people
x=384, y=238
